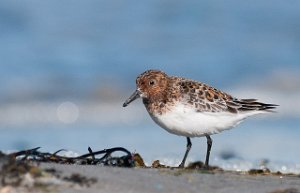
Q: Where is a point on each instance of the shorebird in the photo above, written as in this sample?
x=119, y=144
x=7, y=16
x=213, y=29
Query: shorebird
x=190, y=108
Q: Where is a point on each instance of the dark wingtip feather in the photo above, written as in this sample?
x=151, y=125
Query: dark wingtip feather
x=269, y=108
x=252, y=104
x=248, y=100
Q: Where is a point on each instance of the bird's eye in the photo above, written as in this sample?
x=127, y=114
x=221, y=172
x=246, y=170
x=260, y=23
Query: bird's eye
x=151, y=82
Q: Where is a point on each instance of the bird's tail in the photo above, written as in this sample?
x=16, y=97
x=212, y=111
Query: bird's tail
x=254, y=105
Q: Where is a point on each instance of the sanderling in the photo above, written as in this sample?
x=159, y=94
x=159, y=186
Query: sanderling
x=192, y=109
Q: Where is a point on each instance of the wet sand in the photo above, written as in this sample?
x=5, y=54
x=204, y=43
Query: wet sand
x=113, y=180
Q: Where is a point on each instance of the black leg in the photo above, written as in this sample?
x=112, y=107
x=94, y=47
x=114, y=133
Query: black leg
x=209, y=144
x=188, y=147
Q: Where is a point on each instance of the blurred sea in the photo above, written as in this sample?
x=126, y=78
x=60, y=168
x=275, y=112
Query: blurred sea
x=66, y=67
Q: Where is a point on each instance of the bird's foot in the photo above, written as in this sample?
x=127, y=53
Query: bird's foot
x=205, y=167
x=181, y=166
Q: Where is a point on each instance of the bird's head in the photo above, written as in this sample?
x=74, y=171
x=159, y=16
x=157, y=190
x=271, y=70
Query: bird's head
x=149, y=85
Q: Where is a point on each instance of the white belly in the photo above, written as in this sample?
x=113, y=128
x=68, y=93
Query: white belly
x=185, y=121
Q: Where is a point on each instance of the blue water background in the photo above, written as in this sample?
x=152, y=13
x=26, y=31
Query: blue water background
x=89, y=53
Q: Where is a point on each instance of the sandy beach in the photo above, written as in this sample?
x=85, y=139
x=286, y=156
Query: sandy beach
x=113, y=179
x=60, y=174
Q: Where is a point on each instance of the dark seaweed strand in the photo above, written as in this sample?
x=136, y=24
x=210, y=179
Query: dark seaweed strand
x=89, y=158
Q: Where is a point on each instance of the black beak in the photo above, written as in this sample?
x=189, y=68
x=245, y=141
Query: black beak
x=134, y=96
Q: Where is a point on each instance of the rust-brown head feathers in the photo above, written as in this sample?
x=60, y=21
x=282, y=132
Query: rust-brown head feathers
x=152, y=83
